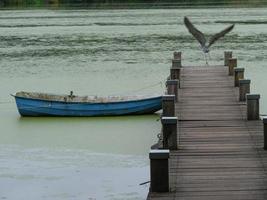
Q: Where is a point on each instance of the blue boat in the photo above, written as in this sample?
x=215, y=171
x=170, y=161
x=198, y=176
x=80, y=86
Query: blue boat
x=43, y=104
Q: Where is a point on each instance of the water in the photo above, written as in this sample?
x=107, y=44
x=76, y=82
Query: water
x=101, y=52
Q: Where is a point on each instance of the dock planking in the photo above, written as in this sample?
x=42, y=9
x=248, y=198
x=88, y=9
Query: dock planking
x=220, y=153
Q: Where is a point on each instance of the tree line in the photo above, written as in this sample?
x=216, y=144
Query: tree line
x=88, y=3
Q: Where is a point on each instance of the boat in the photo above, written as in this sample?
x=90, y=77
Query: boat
x=44, y=104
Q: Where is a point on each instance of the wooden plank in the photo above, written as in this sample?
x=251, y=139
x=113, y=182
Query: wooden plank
x=220, y=153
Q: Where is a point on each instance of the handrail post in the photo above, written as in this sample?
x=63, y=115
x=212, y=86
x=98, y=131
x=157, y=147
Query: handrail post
x=175, y=70
x=159, y=170
x=177, y=55
x=176, y=63
x=244, y=88
x=227, y=55
x=169, y=130
x=239, y=74
x=172, y=88
x=232, y=63
x=253, y=106
x=265, y=132
x=168, y=105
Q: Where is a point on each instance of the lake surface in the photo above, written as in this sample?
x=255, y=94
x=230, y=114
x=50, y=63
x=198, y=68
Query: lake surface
x=102, y=52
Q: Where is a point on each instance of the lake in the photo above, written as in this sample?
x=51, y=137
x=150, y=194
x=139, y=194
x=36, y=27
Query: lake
x=102, y=52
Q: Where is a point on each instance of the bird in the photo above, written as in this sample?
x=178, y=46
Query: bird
x=200, y=37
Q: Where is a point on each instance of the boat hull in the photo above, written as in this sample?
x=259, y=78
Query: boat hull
x=38, y=107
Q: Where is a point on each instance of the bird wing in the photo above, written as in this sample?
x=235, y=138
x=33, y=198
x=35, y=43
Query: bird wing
x=195, y=32
x=217, y=36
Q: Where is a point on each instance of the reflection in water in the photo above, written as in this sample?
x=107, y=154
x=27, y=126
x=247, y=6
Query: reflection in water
x=66, y=158
x=122, y=135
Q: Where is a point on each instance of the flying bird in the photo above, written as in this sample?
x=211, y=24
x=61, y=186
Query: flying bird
x=201, y=38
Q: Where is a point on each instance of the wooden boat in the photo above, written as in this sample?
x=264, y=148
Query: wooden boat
x=43, y=104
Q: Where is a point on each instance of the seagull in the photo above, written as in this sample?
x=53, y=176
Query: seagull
x=201, y=38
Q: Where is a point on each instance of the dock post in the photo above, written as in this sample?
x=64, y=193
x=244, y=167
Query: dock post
x=227, y=55
x=169, y=130
x=244, y=88
x=253, y=106
x=239, y=74
x=172, y=87
x=168, y=105
x=176, y=63
x=159, y=170
x=177, y=55
x=175, y=70
x=265, y=132
x=232, y=64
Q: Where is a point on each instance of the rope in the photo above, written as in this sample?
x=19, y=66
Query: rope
x=142, y=89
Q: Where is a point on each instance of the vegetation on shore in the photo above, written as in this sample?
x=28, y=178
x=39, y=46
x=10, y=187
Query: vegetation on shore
x=128, y=3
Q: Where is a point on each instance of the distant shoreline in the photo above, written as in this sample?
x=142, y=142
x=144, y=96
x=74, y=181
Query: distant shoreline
x=141, y=5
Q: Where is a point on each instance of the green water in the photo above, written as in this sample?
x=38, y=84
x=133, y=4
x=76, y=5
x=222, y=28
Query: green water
x=100, y=52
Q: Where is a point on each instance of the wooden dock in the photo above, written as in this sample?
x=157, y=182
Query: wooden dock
x=220, y=153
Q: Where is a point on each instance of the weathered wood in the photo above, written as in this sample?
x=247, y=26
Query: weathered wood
x=175, y=73
x=253, y=108
x=169, y=130
x=220, y=152
x=265, y=132
x=159, y=170
x=175, y=70
x=177, y=55
x=239, y=74
x=172, y=88
x=176, y=63
x=227, y=55
x=168, y=105
x=244, y=89
x=232, y=63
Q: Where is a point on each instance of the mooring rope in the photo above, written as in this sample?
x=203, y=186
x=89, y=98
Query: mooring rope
x=141, y=89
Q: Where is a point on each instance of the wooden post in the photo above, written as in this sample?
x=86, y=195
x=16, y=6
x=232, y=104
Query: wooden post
x=253, y=108
x=265, y=132
x=175, y=72
x=232, y=64
x=239, y=74
x=168, y=105
x=244, y=88
x=176, y=63
x=169, y=130
x=172, y=88
x=159, y=170
x=177, y=55
x=227, y=55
